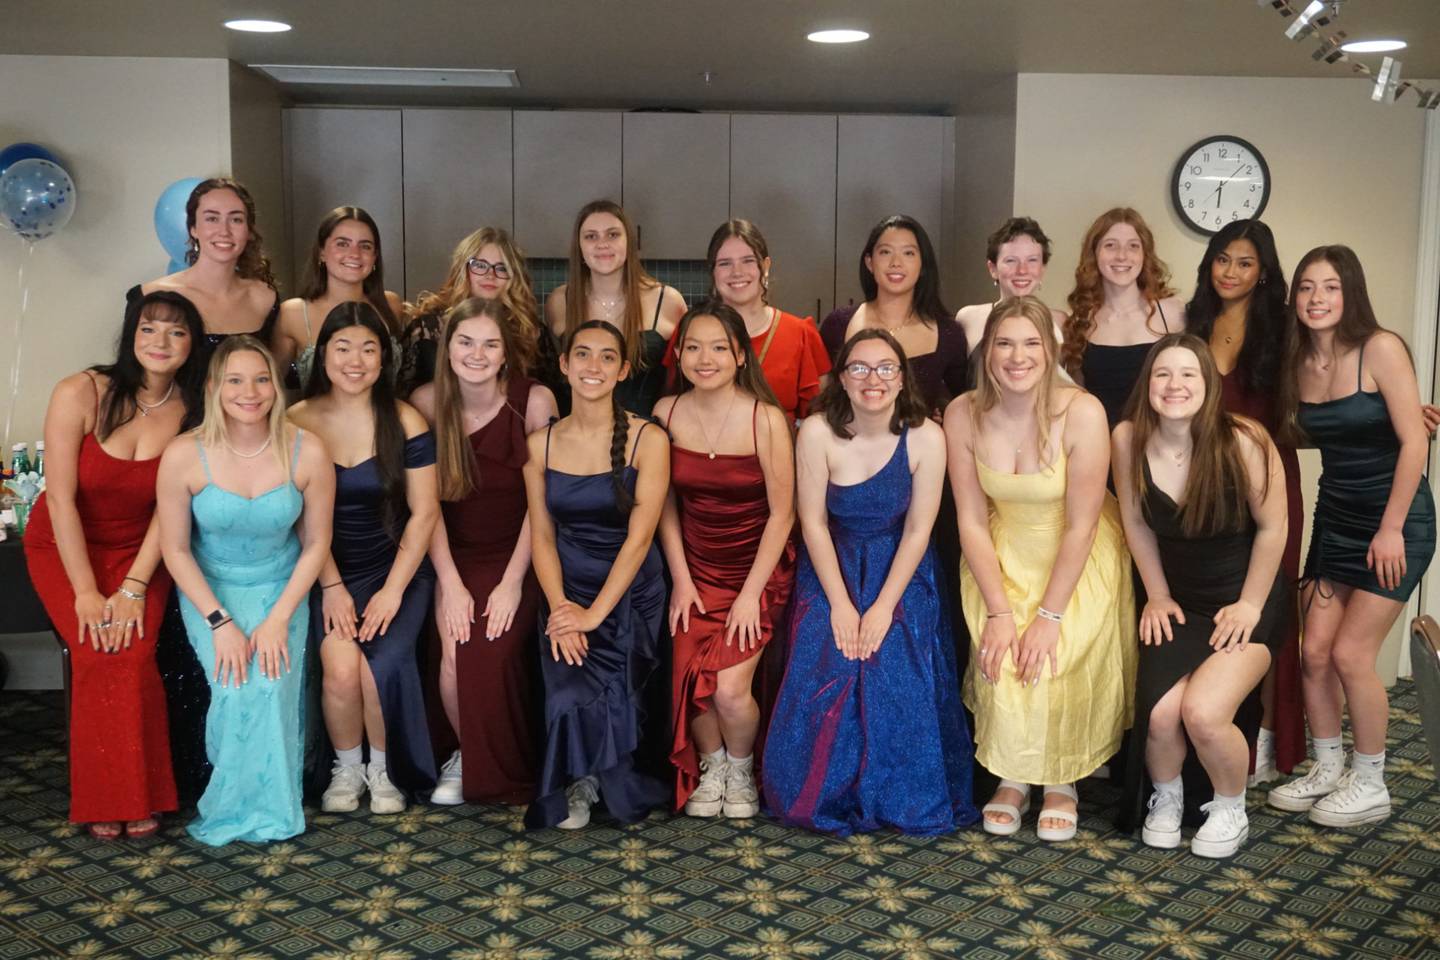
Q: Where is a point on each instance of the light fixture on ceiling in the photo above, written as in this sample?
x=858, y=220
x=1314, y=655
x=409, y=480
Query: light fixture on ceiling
x=1373, y=46
x=1387, y=81
x=258, y=26
x=837, y=36
x=388, y=76
x=1308, y=19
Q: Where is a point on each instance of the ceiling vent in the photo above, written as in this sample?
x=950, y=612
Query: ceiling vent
x=388, y=76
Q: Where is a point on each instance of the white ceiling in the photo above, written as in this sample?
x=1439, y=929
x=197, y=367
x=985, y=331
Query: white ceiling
x=922, y=55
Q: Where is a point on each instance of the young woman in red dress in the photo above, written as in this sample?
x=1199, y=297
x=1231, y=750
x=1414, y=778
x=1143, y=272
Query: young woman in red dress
x=725, y=530
x=94, y=557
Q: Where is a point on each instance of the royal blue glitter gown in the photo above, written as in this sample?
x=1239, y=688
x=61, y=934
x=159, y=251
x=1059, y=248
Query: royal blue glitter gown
x=859, y=745
x=247, y=549
x=364, y=551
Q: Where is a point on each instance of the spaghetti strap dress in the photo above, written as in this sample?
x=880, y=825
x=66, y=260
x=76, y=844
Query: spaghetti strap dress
x=723, y=513
x=1110, y=372
x=1203, y=574
x=594, y=712
x=498, y=680
x=1065, y=727
x=857, y=745
x=639, y=391
x=119, y=738
x=364, y=551
x=1358, y=453
x=247, y=549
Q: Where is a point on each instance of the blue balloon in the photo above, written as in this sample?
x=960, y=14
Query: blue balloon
x=37, y=198
x=170, y=217
x=24, y=151
x=176, y=266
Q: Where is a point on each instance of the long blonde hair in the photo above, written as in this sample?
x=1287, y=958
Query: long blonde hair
x=213, y=432
x=518, y=295
x=634, y=280
x=987, y=389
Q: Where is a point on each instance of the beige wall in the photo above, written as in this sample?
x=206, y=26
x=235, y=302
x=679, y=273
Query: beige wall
x=1343, y=170
x=125, y=128
x=258, y=161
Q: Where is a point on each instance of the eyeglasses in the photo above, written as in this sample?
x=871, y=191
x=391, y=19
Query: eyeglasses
x=481, y=268
x=887, y=370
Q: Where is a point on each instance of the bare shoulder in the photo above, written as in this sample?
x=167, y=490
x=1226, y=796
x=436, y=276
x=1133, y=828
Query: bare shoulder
x=422, y=398
x=313, y=454
x=927, y=438
x=1386, y=351
x=958, y=413
x=180, y=454
x=1120, y=436
x=774, y=419
x=663, y=407
x=1084, y=414
x=81, y=388
x=814, y=435
x=1174, y=310
x=540, y=405
x=302, y=414
x=411, y=419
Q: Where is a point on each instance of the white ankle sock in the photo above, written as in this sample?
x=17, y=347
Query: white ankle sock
x=352, y=757
x=740, y=763
x=1265, y=743
x=1328, y=750
x=1175, y=787
x=377, y=758
x=716, y=758
x=1371, y=766
x=1238, y=801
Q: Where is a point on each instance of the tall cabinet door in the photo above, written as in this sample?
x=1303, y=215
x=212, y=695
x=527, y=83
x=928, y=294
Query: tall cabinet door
x=563, y=160
x=886, y=165
x=458, y=166
x=677, y=180
x=782, y=179
x=340, y=157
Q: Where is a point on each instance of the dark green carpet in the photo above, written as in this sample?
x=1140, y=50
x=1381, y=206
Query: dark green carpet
x=466, y=883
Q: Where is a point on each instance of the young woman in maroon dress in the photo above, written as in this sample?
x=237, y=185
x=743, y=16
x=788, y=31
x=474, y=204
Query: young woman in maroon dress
x=481, y=405
x=94, y=557
x=725, y=530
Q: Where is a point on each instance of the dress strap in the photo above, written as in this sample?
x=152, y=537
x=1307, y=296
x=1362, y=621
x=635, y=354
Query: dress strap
x=295, y=456
x=638, y=434
x=754, y=437
x=1162, y=316
x=670, y=414
x=205, y=464
x=1360, y=369
x=659, y=302
x=95, y=386
x=548, y=427
x=305, y=307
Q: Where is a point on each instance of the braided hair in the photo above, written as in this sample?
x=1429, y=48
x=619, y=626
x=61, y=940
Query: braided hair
x=624, y=500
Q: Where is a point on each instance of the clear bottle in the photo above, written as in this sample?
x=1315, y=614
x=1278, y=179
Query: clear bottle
x=20, y=459
x=39, y=466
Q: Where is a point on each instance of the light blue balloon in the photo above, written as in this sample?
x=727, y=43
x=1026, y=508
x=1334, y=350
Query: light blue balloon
x=37, y=198
x=170, y=217
x=176, y=266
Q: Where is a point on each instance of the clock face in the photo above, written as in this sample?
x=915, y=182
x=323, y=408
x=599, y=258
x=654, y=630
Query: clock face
x=1219, y=180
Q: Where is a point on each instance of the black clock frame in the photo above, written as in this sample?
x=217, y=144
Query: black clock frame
x=1189, y=152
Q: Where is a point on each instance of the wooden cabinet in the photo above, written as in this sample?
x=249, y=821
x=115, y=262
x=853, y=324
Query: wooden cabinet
x=340, y=157
x=676, y=174
x=457, y=174
x=885, y=165
x=782, y=178
x=563, y=160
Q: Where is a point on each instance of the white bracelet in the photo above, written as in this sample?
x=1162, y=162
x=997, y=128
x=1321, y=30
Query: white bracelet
x=1049, y=615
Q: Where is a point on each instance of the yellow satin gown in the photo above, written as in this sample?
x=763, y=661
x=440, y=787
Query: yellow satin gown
x=1065, y=727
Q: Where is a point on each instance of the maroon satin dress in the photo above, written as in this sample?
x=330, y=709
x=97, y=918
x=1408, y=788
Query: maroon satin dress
x=497, y=681
x=119, y=734
x=723, y=512
x=1289, y=716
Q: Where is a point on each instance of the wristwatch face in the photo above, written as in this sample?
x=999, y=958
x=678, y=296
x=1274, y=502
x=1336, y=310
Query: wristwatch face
x=217, y=617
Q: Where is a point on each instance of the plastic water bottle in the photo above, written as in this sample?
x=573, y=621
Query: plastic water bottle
x=20, y=459
x=39, y=457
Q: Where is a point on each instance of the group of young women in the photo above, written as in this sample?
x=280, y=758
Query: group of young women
x=586, y=498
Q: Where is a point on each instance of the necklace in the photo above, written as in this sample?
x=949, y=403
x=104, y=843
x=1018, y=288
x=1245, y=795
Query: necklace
x=706, y=433
x=1326, y=364
x=249, y=456
x=145, y=408
x=608, y=305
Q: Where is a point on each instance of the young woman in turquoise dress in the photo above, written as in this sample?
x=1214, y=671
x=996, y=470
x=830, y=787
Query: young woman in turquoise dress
x=244, y=504
x=1373, y=532
x=376, y=585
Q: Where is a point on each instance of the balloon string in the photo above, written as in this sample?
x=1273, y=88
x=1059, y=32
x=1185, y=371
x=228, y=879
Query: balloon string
x=19, y=327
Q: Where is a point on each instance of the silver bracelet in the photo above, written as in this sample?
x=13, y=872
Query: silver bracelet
x=130, y=596
x=1049, y=615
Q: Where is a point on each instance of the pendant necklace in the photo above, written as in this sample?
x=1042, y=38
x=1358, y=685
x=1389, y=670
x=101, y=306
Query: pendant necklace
x=706, y=433
x=145, y=408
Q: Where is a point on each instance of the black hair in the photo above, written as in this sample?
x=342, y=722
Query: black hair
x=620, y=433
x=749, y=377
x=127, y=376
x=389, y=431
x=926, y=299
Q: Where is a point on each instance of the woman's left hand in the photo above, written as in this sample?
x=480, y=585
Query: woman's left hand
x=1386, y=557
x=1233, y=626
x=742, y=623
x=500, y=608
x=874, y=625
x=270, y=646
x=1431, y=415
x=1039, y=642
x=570, y=618
x=379, y=612
x=127, y=619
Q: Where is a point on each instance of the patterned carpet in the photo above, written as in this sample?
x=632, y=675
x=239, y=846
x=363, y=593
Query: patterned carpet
x=466, y=883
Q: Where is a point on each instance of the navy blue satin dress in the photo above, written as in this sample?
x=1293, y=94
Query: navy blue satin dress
x=364, y=551
x=856, y=745
x=594, y=715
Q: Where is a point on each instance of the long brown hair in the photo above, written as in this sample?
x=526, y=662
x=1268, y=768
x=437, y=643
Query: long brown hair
x=1089, y=293
x=316, y=279
x=454, y=459
x=518, y=296
x=634, y=280
x=987, y=389
x=750, y=234
x=1216, y=495
x=910, y=408
x=620, y=429
x=748, y=375
x=252, y=263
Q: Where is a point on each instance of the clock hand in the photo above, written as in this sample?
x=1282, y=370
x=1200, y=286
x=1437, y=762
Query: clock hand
x=1219, y=197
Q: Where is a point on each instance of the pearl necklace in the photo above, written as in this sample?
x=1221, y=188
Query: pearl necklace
x=145, y=408
x=249, y=456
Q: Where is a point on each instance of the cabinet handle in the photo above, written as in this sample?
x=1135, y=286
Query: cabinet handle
x=817, y=310
x=640, y=237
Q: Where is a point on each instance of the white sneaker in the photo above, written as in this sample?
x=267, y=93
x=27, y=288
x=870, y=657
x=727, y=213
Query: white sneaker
x=384, y=796
x=1300, y=794
x=580, y=794
x=1265, y=769
x=1224, y=830
x=347, y=786
x=1162, y=823
x=447, y=790
x=741, y=798
x=709, y=797
x=1357, y=800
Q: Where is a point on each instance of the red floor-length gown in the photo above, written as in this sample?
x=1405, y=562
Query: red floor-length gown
x=119, y=732
x=723, y=512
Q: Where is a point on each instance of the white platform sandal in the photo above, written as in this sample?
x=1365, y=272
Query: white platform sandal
x=1014, y=812
x=1049, y=834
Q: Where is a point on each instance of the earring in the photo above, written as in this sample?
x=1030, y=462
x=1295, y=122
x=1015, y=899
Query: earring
x=1262, y=280
x=765, y=281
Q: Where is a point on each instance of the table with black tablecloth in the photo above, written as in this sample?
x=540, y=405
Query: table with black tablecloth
x=20, y=609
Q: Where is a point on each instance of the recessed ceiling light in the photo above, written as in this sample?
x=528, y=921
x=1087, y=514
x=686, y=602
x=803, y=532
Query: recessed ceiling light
x=1372, y=46
x=837, y=36
x=258, y=26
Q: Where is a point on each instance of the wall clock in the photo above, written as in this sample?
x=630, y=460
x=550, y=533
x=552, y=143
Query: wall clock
x=1220, y=179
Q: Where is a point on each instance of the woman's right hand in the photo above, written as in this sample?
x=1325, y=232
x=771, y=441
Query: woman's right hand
x=683, y=596
x=1155, y=620
x=90, y=613
x=996, y=638
x=845, y=622
x=232, y=655
x=338, y=610
x=455, y=611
